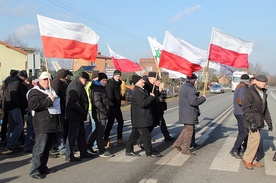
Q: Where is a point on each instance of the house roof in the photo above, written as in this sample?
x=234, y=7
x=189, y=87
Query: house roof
x=14, y=48
x=87, y=68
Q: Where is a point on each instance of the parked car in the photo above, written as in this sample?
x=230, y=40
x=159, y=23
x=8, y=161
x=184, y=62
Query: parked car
x=216, y=89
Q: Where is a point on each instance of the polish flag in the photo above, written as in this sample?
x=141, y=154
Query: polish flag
x=67, y=40
x=123, y=64
x=180, y=56
x=229, y=50
x=156, y=49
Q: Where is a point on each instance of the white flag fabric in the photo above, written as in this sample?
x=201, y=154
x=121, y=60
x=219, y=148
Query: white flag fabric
x=229, y=50
x=67, y=40
x=180, y=56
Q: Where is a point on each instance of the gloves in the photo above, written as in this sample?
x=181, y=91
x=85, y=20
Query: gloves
x=253, y=127
x=270, y=127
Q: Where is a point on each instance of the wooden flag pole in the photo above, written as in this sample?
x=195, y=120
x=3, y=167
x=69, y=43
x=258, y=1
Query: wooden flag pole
x=155, y=75
x=47, y=70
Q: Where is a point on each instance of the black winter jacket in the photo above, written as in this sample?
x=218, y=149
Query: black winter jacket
x=76, y=102
x=100, y=101
x=43, y=121
x=254, y=110
x=113, y=89
x=15, y=95
x=141, y=115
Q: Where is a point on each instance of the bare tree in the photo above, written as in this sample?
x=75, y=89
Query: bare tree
x=255, y=69
x=15, y=41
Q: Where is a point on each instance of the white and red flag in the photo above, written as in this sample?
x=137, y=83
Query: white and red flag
x=67, y=40
x=156, y=49
x=229, y=50
x=180, y=56
x=123, y=64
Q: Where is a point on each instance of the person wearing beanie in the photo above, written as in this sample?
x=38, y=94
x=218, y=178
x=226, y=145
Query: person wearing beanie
x=76, y=111
x=156, y=106
x=100, y=112
x=256, y=112
x=15, y=103
x=189, y=102
x=60, y=85
x=240, y=144
x=141, y=119
x=113, y=89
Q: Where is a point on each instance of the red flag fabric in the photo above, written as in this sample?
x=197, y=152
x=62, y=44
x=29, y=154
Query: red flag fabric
x=229, y=50
x=180, y=56
x=123, y=64
x=67, y=40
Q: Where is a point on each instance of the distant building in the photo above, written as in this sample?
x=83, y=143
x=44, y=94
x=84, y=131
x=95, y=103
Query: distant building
x=11, y=58
x=148, y=64
x=223, y=80
x=101, y=64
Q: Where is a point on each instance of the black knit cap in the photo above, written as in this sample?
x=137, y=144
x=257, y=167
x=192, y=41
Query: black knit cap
x=101, y=76
x=245, y=77
x=117, y=72
x=193, y=76
x=135, y=79
x=22, y=73
x=84, y=75
x=152, y=74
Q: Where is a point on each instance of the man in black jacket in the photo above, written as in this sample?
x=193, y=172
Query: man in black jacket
x=113, y=89
x=255, y=111
x=45, y=108
x=141, y=119
x=15, y=104
x=76, y=113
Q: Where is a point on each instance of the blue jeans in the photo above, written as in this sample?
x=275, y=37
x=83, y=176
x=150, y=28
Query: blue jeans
x=30, y=137
x=89, y=128
x=15, y=127
x=242, y=135
x=40, y=155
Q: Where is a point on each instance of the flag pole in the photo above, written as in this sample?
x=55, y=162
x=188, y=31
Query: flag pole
x=207, y=67
x=155, y=60
x=47, y=70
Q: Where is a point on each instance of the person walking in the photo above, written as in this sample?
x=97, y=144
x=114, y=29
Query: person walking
x=255, y=111
x=100, y=112
x=141, y=119
x=240, y=144
x=76, y=113
x=15, y=104
x=188, y=114
x=113, y=89
x=45, y=108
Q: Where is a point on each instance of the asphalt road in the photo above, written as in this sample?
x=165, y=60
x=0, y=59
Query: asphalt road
x=216, y=134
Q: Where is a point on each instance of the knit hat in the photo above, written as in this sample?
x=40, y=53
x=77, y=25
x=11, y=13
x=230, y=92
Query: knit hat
x=31, y=78
x=61, y=73
x=192, y=77
x=261, y=78
x=84, y=75
x=245, y=77
x=13, y=72
x=69, y=73
x=101, y=76
x=135, y=79
x=22, y=73
x=94, y=74
x=117, y=72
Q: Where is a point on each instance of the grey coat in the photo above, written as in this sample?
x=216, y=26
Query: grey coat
x=188, y=104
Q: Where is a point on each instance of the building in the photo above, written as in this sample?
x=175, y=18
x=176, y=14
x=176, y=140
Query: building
x=102, y=63
x=11, y=58
x=148, y=64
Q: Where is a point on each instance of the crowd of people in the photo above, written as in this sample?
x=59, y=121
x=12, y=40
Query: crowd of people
x=61, y=114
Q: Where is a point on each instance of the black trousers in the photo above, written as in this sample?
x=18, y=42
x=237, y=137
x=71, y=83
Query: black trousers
x=97, y=135
x=144, y=135
x=40, y=155
x=76, y=133
x=115, y=113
